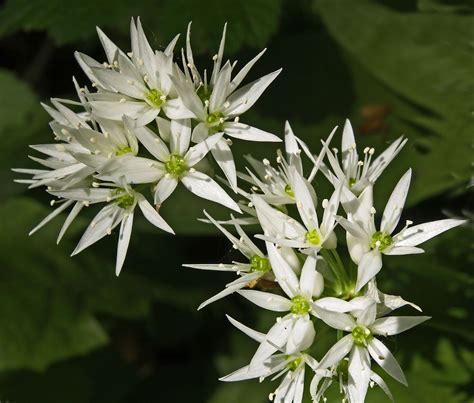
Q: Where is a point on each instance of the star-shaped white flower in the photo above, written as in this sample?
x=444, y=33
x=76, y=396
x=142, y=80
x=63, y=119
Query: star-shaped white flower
x=361, y=344
x=218, y=104
x=366, y=243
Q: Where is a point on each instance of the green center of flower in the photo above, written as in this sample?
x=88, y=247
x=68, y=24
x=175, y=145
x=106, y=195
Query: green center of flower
x=155, y=97
x=361, y=335
x=313, y=237
x=176, y=165
x=352, y=182
x=258, y=263
x=300, y=305
x=123, y=150
x=380, y=241
x=214, y=121
x=126, y=200
x=289, y=191
x=294, y=363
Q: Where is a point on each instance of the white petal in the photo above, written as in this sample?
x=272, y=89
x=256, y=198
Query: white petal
x=329, y=217
x=152, y=215
x=200, y=133
x=285, y=276
x=165, y=188
x=386, y=360
x=123, y=241
x=348, y=140
x=214, y=267
x=266, y=300
x=152, y=143
x=119, y=82
x=337, y=352
x=246, y=132
x=413, y=236
x=253, y=334
x=70, y=218
x=332, y=304
x=369, y=266
x=381, y=162
x=396, y=324
x=239, y=77
x=336, y=320
x=105, y=221
x=301, y=336
x=220, y=89
x=199, y=151
x=359, y=373
x=275, y=340
x=308, y=277
x=134, y=170
x=116, y=110
x=224, y=158
x=395, y=204
x=243, y=99
x=382, y=385
x=304, y=202
x=180, y=136
x=403, y=250
x=51, y=215
x=224, y=293
x=203, y=186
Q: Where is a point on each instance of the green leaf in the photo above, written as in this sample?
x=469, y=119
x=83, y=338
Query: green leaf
x=251, y=23
x=426, y=60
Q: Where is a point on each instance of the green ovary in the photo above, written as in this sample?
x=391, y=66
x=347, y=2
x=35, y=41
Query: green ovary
x=126, y=200
x=300, y=305
x=294, y=363
x=213, y=121
x=204, y=93
x=259, y=264
x=289, y=191
x=384, y=239
x=154, y=96
x=313, y=237
x=176, y=165
x=361, y=335
x=123, y=150
x=352, y=182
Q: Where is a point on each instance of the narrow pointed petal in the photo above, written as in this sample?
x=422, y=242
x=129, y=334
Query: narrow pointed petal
x=304, y=202
x=203, y=186
x=369, y=266
x=199, y=151
x=224, y=158
x=308, y=277
x=396, y=202
x=284, y=274
x=382, y=385
x=222, y=294
x=418, y=234
x=403, y=250
x=396, y=324
x=165, y=188
x=243, y=131
x=339, y=321
x=332, y=304
x=337, y=352
x=301, y=336
x=213, y=267
x=51, y=215
x=244, y=71
x=152, y=215
x=152, y=142
x=70, y=218
x=220, y=90
x=386, y=360
x=123, y=241
x=266, y=300
x=359, y=373
x=180, y=136
x=253, y=334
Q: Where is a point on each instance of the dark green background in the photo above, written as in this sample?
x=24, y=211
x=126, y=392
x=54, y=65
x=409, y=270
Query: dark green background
x=70, y=331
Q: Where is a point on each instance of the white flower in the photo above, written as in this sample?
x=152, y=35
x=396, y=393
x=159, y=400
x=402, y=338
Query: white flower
x=291, y=367
x=294, y=331
x=353, y=173
x=258, y=265
x=172, y=165
x=138, y=84
x=367, y=244
x=121, y=203
x=286, y=231
x=276, y=184
x=217, y=104
x=361, y=344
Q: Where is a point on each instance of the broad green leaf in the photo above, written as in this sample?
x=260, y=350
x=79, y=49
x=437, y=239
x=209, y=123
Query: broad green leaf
x=426, y=60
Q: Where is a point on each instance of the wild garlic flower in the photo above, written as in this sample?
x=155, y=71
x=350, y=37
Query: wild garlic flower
x=136, y=84
x=361, y=344
x=121, y=202
x=294, y=331
x=354, y=173
x=291, y=367
x=276, y=184
x=366, y=243
x=286, y=231
x=218, y=103
x=258, y=265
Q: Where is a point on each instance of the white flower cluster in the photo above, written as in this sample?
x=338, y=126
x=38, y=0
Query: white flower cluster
x=302, y=262
x=148, y=126
x=151, y=123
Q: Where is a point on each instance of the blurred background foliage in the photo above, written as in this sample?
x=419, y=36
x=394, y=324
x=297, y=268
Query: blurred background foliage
x=70, y=331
